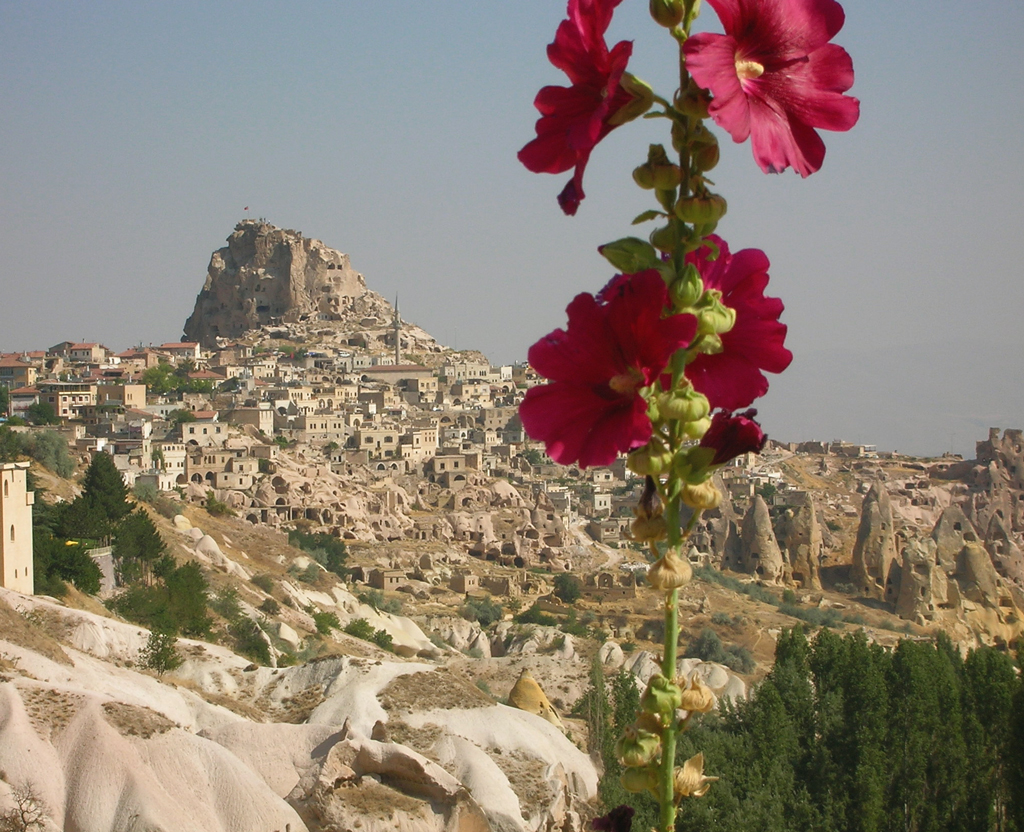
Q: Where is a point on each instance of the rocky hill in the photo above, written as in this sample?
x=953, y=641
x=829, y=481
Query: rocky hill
x=277, y=282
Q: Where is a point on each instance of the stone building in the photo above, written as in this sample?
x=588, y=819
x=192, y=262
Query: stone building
x=16, y=527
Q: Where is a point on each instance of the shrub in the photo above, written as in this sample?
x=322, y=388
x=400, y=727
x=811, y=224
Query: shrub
x=375, y=598
x=567, y=588
x=264, y=582
x=484, y=611
x=325, y=549
x=270, y=607
x=845, y=588
x=360, y=628
x=216, y=507
x=535, y=616
x=249, y=640
x=227, y=604
x=383, y=640
x=326, y=622
x=721, y=619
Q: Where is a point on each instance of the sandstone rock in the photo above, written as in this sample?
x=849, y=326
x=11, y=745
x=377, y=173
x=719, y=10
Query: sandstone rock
x=527, y=695
x=923, y=586
x=977, y=576
x=268, y=275
x=1006, y=554
x=761, y=554
x=874, y=554
x=181, y=523
x=950, y=534
x=800, y=535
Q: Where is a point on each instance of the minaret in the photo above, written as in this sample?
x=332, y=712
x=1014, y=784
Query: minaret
x=396, y=324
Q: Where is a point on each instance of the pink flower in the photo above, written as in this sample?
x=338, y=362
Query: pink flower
x=775, y=77
x=574, y=119
x=733, y=378
x=730, y=436
x=614, y=345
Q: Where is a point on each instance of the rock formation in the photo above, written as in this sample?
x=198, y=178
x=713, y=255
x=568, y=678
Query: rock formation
x=273, y=277
x=761, y=554
x=799, y=534
x=923, y=586
x=528, y=696
x=874, y=553
x=950, y=534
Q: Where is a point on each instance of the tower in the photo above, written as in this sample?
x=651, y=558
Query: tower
x=16, y=528
x=396, y=325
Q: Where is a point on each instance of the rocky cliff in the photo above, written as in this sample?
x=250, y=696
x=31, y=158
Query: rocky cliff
x=268, y=277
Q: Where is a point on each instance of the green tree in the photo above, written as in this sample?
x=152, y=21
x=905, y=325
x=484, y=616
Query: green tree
x=137, y=548
x=5, y=400
x=567, y=587
x=161, y=652
x=42, y=413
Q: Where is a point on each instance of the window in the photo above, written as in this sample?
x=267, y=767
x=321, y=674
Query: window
x=12, y=531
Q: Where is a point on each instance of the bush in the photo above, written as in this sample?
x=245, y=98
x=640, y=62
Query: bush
x=814, y=616
x=326, y=622
x=708, y=647
x=227, y=604
x=535, y=616
x=567, y=588
x=484, y=611
x=250, y=641
x=375, y=598
x=721, y=619
x=50, y=450
x=264, y=582
x=216, y=507
x=325, y=549
x=845, y=588
x=360, y=628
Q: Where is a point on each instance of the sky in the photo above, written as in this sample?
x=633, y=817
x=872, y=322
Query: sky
x=133, y=135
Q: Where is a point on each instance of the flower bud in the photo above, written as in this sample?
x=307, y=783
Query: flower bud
x=664, y=239
x=639, y=780
x=648, y=462
x=683, y=405
x=704, y=496
x=706, y=158
x=701, y=209
x=693, y=101
x=661, y=697
x=667, y=13
x=689, y=781
x=697, y=428
x=714, y=317
x=629, y=255
x=669, y=572
x=667, y=177
x=637, y=748
x=697, y=697
x=688, y=288
x=642, y=99
x=643, y=175
x=648, y=529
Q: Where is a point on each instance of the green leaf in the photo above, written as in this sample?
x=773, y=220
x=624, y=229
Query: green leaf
x=646, y=216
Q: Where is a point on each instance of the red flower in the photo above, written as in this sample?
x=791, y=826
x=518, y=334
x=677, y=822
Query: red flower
x=730, y=436
x=733, y=378
x=614, y=344
x=574, y=119
x=775, y=77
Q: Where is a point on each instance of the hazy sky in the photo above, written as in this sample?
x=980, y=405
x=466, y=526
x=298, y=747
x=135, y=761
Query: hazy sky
x=134, y=134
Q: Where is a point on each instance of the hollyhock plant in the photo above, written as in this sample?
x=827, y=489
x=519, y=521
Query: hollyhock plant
x=614, y=345
x=733, y=378
x=775, y=78
x=574, y=119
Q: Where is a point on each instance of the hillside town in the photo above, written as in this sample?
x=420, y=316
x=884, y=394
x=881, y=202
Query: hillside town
x=375, y=562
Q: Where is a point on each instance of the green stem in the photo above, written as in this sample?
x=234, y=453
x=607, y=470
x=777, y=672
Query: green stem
x=666, y=779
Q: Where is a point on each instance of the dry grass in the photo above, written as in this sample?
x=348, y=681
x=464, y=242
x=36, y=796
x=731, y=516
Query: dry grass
x=31, y=631
x=136, y=720
x=50, y=711
x=429, y=690
x=527, y=778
